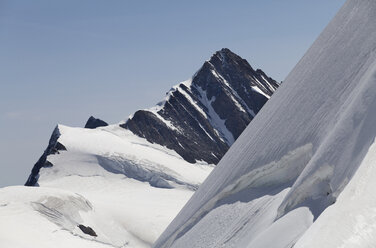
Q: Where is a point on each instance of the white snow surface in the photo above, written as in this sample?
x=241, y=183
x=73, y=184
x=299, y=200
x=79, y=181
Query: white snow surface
x=125, y=188
x=289, y=166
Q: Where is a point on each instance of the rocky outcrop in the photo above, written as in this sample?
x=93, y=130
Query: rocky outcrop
x=87, y=230
x=53, y=147
x=93, y=122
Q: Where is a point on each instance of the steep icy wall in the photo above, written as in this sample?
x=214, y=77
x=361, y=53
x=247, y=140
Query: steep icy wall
x=301, y=150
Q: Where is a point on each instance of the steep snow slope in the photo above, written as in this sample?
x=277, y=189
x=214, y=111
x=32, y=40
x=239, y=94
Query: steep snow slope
x=299, y=153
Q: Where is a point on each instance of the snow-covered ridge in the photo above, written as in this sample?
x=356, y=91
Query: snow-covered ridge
x=326, y=104
x=122, y=184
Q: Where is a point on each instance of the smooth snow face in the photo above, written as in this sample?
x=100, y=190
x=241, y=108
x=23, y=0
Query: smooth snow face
x=324, y=110
x=125, y=188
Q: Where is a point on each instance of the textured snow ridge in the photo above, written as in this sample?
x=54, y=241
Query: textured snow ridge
x=326, y=108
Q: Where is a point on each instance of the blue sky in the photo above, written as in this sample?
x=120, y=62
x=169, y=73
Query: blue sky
x=62, y=61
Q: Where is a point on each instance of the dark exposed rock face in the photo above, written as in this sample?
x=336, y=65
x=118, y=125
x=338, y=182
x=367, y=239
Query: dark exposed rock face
x=201, y=118
x=87, y=230
x=94, y=123
x=53, y=147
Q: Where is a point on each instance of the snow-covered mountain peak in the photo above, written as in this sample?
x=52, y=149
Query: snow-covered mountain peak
x=211, y=109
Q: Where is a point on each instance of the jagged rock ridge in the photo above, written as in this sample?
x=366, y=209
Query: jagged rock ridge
x=54, y=146
x=201, y=117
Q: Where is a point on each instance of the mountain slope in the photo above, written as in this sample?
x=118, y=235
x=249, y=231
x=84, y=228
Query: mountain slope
x=299, y=153
x=130, y=174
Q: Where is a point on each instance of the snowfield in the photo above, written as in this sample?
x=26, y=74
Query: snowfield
x=123, y=187
x=289, y=178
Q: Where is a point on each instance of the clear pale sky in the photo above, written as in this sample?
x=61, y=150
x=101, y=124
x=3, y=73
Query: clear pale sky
x=62, y=61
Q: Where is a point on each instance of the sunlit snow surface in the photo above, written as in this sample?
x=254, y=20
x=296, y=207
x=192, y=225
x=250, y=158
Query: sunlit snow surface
x=125, y=188
x=289, y=166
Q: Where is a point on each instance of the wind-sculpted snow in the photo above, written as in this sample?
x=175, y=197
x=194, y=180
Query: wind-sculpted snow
x=63, y=212
x=328, y=101
x=156, y=177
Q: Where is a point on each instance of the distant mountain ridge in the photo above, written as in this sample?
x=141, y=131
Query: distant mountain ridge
x=201, y=117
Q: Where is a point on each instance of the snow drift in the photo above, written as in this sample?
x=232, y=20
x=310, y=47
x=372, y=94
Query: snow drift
x=299, y=153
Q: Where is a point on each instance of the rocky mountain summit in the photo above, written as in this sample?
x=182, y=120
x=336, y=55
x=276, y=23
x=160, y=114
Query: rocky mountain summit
x=201, y=117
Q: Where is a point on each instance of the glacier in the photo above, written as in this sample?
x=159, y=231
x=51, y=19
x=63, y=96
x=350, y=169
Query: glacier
x=302, y=162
